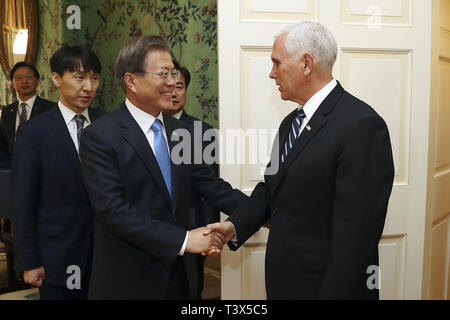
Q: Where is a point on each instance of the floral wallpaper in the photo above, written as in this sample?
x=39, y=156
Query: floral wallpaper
x=190, y=27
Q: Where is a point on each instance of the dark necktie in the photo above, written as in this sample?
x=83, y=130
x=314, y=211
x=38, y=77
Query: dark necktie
x=293, y=134
x=79, y=119
x=23, y=113
x=162, y=154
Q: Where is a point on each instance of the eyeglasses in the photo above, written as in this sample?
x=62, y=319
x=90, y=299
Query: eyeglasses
x=21, y=77
x=175, y=74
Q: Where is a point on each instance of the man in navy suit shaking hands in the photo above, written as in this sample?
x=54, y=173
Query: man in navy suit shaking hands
x=144, y=232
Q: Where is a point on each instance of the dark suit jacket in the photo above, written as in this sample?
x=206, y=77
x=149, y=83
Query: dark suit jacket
x=52, y=214
x=327, y=203
x=8, y=128
x=205, y=213
x=139, y=229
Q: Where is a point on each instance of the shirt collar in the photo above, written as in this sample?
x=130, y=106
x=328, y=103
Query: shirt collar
x=29, y=102
x=68, y=114
x=178, y=114
x=316, y=100
x=144, y=119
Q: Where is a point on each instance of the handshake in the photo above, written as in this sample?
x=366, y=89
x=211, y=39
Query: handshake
x=209, y=240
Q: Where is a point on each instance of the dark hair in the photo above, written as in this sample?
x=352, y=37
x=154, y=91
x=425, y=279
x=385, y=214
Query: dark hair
x=184, y=71
x=131, y=57
x=74, y=58
x=23, y=64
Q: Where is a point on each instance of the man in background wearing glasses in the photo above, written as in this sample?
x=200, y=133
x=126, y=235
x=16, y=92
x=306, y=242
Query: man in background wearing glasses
x=25, y=80
x=144, y=234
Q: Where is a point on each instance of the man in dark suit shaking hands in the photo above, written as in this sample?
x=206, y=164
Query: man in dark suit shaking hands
x=52, y=213
x=25, y=80
x=327, y=202
x=144, y=235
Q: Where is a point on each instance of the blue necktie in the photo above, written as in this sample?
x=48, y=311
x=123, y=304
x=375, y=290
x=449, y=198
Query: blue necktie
x=293, y=134
x=162, y=154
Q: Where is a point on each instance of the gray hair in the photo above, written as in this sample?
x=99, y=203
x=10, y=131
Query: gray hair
x=313, y=38
x=131, y=57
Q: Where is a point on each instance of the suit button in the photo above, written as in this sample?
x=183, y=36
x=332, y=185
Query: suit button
x=275, y=211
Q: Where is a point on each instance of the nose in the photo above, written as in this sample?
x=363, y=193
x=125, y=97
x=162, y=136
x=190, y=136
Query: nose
x=170, y=82
x=88, y=85
x=273, y=73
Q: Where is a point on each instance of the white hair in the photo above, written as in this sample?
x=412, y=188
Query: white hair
x=313, y=38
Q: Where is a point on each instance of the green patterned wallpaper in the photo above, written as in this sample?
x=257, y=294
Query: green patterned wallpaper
x=106, y=25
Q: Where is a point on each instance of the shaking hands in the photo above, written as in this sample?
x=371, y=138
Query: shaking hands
x=210, y=239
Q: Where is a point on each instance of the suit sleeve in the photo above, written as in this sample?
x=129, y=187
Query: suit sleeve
x=106, y=192
x=251, y=215
x=26, y=180
x=219, y=193
x=364, y=179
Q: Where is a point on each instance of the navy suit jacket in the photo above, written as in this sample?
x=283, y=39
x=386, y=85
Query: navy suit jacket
x=139, y=228
x=8, y=127
x=52, y=213
x=326, y=204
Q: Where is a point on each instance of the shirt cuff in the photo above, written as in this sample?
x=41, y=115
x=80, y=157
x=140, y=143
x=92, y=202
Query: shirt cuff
x=184, y=244
x=234, y=241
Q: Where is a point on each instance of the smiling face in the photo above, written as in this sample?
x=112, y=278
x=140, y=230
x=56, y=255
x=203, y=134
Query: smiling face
x=25, y=83
x=151, y=92
x=77, y=89
x=287, y=72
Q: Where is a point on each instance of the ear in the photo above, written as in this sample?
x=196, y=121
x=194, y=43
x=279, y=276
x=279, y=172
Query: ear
x=129, y=80
x=308, y=64
x=56, y=78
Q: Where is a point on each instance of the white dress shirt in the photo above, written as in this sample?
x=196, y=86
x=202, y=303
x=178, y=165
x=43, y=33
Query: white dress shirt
x=178, y=114
x=29, y=108
x=315, y=101
x=145, y=121
x=68, y=115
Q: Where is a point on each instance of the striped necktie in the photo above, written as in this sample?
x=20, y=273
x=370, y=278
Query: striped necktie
x=293, y=134
x=79, y=120
x=23, y=113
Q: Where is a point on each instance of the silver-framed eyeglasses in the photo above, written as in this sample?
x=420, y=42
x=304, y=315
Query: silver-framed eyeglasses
x=21, y=77
x=175, y=74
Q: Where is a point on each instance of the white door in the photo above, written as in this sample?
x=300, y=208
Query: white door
x=383, y=58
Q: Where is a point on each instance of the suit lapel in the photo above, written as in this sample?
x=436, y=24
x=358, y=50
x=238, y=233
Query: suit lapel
x=35, y=109
x=133, y=134
x=317, y=122
x=10, y=115
x=63, y=137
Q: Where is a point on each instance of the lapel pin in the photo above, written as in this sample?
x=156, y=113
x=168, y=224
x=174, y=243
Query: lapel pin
x=308, y=127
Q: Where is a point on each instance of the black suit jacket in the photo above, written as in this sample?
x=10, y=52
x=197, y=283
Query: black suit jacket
x=326, y=204
x=139, y=228
x=52, y=214
x=8, y=127
x=205, y=213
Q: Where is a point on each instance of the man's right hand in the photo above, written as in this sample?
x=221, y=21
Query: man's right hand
x=225, y=228
x=34, y=277
x=199, y=241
